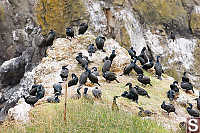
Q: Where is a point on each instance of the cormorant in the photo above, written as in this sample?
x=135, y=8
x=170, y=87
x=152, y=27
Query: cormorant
x=185, y=78
x=54, y=99
x=172, y=36
x=70, y=32
x=57, y=88
x=141, y=91
x=191, y=111
x=110, y=76
x=82, y=28
x=187, y=86
x=100, y=42
x=158, y=68
x=83, y=60
x=136, y=68
x=144, y=113
x=31, y=99
x=64, y=73
x=83, y=77
x=95, y=71
x=144, y=80
x=112, y=56
x=51, y=37
x=128, y=69
x=93, y=78
x=40, y=92
x=143, y=55
x=148, y=66
x=171, y=95
x=91, y=49
x=73, y=81
x=174, y=87
x=133, y=94
x=33, y=90
x=106, y=65
x=132, y=53
x=168, y=107
x=97, y=93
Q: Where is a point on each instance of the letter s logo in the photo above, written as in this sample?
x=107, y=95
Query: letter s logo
x=193, y=123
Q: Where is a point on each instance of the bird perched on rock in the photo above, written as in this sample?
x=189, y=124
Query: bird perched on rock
x=172, y=36
x=54, y=99
x=100, y=42
x=191, y=111
x=128, y=69
x=40, y=92
x=73, y=81
x=133, y=94
x=91, y=49
x=110, y=76
x=83, y=77
x=136, y=68
x=97, y=93
x=141, y=91
x=144, y=80
x=64, y=73
x=171, y=95
x=112, y=56
x=198, y=102
x=141, y=60
x=70, y=32
x=143, y=55
x=187, y=86
x=34, y=90
x=149, y=65
x=107, y=65
x=93, y=78
x=168, y=107
x=144, y=113
x=158, y=68
x=50, y=38
x=114, y=104
x=57, y=88
x=77, y=95
x=174, y=86
x=31, y=99
x=185, y=78
x=95, y=71
x=87, y=97
x=83, y=60
x=82, y=28
x=132, y=53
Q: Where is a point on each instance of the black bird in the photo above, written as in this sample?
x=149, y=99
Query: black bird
x=144, y=113
x=158, y=68
x=54, y=99
x=141, y=91
x=191, y=111
x=83, y=77
x=106, y=65
x=73, y=81
x=77, y=95
x=144, y=80
x=128, y=69
x=70, y=32
x=31, y=99
x=51, y=37
x=149, y=65
x=110, y=76
x=112, y=56
x=168, y=107
x=187, y=86
x=34, y=90
x=171, y=95
x=133, y=94
x=136, y=68
x=95, y=71
x=40, y=92
x=91, y=49
x=97, y=93
x=185, y=78
x=83, y=60
x=124, y=94
x=87, y=97
x=100, y=42
x=172, y=36
x=132, y=53
x=143, y=55
x=64, y=73
x=114, y=104
x=93, y=78
x=82, y=28
x=174, y=87
x=57, y=88
x=142, y=61
x=198, y=101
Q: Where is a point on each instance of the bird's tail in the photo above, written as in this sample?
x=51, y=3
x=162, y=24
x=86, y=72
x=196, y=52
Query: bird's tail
x=175, y=112
x=98, y=84
x=121, y=74
x=150, y=84
x=103, y=50
x=117, y=81
x=159, y=77
x=148, y=96
x=90, y=54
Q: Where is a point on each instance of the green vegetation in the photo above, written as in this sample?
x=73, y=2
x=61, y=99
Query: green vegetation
x=83, y=117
